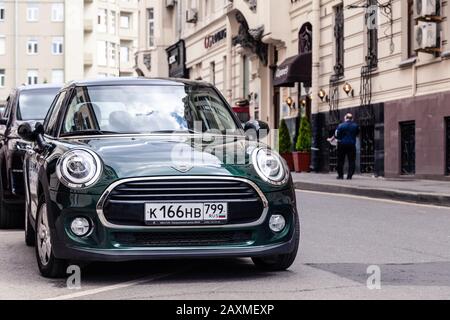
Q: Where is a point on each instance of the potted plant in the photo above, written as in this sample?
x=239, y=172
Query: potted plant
x=285, y=145
x=302, y=156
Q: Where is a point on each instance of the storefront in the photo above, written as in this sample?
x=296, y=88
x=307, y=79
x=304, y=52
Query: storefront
x=292, y=82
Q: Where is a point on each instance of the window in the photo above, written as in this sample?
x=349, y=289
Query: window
x=2, y=12
x=112, y=54
x=212, y=73
x=101, y=53
x=339, y=40
x=51, y=122
x=151, y=27
x=2, y=45
x=57, y=45
x=411, y=27
x=124, y=54
x=58, y=12
x=112, y=22
x=101, y=20
x=2, y=78
x=246, y=77
x=57, y=76
x=32, y=46
x=125, y=21
x=372, y=34
x=32, y=77
x=32, y=12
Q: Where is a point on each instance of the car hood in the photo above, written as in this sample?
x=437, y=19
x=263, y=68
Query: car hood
x=143, y=156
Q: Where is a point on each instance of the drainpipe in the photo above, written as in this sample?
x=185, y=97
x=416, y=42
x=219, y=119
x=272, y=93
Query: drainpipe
x=16, y=42
x=229, y=84
x=316, y=129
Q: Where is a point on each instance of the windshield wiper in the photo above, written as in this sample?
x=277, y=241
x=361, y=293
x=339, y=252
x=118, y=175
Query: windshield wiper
x=88, y=132
x=175, y=131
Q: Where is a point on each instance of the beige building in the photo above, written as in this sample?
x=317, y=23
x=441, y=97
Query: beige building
x=385, y=61
x=54, y=41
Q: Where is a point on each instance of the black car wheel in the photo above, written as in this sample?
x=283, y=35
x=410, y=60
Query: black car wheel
x=49, y=266
x=283, y=261
x=10, y=215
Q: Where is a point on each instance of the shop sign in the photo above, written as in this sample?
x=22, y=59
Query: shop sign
x=213, y=39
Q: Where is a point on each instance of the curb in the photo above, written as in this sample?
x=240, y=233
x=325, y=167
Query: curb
x=404, y=196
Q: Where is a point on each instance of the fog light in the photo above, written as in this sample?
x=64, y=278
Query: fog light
x=277, y=223
x=80, y=227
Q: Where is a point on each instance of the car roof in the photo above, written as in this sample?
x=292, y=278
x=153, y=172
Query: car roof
x=38, y=87
x=117, y=81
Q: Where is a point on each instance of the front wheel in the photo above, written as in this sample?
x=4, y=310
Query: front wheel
x=280, y=262
x=49, y=265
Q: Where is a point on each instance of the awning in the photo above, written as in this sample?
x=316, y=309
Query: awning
x=294, y=69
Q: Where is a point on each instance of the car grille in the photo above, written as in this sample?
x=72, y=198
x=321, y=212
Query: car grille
x=183, y=239
x=125, y=204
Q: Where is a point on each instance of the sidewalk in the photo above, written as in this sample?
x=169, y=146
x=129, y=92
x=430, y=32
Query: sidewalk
x=417, y=191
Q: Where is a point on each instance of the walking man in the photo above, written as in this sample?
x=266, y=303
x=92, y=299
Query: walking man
x=346, y=135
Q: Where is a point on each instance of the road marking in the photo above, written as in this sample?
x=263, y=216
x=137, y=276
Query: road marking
x=113, y=287
x=376, y=199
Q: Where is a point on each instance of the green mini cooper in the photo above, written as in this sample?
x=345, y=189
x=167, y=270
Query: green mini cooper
x=134, y=169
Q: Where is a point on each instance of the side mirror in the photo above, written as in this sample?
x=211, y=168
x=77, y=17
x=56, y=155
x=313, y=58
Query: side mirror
x=37, y=135
x=256, y=130
x=26, y=132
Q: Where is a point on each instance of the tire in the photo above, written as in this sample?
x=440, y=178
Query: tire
x=11, y=216
x=280, y=262
x=49, y=265
x=30, y=234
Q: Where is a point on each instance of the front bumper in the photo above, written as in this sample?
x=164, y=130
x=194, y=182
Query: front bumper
x=103, y=243
x=118, y=255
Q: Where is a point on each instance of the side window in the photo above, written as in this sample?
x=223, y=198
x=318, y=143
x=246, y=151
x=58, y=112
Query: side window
x=52, y=117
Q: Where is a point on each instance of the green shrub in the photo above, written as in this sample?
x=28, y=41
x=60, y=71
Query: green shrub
x=285, y=143
x=304, y=136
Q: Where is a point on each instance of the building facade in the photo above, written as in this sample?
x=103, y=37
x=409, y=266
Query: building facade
x=387, y=62
x=54, y=41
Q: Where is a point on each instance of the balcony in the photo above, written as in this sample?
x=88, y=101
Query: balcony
x=88, y=59
x=88, y=25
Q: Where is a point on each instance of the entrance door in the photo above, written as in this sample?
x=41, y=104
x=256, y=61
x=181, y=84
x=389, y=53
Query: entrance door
x=367, y=156
x=276, y=106
x=408, y=147
x=447, y=122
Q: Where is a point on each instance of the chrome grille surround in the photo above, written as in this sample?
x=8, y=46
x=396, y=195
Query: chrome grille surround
x=105, y=195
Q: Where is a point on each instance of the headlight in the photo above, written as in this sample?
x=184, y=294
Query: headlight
x=79, y=168
x=270, y=167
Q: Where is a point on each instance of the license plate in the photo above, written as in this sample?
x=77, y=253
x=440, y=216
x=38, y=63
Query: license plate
x=186, y=213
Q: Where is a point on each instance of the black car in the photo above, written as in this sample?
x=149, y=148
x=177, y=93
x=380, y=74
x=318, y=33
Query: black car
x=24, y=104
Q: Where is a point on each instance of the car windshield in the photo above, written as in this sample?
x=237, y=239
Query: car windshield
x=34, y=104
x=148, y=109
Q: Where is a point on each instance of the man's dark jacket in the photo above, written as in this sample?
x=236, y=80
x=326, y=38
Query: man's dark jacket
x=347, y=132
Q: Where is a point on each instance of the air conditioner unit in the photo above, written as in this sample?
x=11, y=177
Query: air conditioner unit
x=191, y=16
x=426, y=8
x=170, y=3
x=426, y=35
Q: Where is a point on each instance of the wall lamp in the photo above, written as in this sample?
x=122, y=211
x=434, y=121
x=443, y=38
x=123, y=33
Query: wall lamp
x=323, y=95
x=289, y=101
x=349, y=90
x=303, y=103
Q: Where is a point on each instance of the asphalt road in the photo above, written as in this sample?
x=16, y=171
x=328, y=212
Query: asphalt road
x=341, y=237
